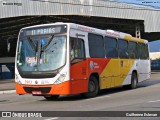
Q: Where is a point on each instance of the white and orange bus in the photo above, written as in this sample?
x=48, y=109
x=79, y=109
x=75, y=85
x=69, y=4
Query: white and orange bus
x=67, y=58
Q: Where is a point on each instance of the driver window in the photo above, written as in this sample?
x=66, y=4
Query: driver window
x=77, y=49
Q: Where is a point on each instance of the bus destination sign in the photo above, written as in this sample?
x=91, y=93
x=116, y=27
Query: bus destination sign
x=46, y=30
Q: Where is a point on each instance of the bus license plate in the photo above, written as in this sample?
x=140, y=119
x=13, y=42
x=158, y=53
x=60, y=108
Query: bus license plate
x=36, y=92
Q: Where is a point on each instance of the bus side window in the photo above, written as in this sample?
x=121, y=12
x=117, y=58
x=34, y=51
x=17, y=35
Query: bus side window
x=137, y=51
x=111, y=47
x=146, y=51
x=123, y=49
x=77, y=49
x=96, y=46
x=142, y=51
x=132, y=49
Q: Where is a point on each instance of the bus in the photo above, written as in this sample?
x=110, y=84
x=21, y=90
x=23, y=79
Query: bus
x=67, y=58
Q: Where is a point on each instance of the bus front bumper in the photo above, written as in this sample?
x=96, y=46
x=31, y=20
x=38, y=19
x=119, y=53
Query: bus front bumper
x=65, y=88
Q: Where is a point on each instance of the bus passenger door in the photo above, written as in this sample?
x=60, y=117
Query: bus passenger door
x=78, y=62
x=125, y=65
x=111, y=71
x=125, y=68
x=143, y=62
x=114, y=72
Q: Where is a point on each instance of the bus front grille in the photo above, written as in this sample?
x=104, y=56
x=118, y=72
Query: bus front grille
x=42, y=89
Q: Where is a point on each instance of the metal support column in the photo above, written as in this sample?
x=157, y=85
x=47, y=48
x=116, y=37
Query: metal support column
x=138, y=31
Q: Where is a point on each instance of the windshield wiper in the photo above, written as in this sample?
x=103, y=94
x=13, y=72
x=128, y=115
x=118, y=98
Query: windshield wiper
x=41, y=46
x=31, y=43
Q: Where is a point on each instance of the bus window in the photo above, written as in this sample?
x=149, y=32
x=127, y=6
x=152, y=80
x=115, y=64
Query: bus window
x=111, y=47
x=142, y=51
x=96, y=46
x=122, y=49
x=146, y=51
x=77, y=49
x=132, y=49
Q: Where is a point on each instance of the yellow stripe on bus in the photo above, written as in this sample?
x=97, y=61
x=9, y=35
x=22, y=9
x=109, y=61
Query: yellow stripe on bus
x=115, y=73
x=130, y=38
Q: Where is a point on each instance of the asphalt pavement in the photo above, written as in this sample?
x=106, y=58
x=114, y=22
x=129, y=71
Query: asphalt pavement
x=6, y=85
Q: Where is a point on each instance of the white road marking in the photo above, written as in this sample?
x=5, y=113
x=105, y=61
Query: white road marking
x=54, y=118
x=154, y=101
x=7, y=91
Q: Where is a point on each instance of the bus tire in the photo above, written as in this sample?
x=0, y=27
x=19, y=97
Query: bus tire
x=51, y=97
x=93, y=88
x=134, y=81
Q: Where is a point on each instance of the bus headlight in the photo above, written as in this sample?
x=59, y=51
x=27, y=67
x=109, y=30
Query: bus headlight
x=17, y=80
x=60, y=79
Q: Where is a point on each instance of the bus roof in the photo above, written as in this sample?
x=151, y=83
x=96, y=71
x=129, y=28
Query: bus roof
x=110, y=33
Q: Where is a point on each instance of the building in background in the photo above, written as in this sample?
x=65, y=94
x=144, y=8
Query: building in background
x=155, y=54
x=155, y=64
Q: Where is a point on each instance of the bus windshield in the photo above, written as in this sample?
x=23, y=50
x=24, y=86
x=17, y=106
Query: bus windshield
x=41, y=53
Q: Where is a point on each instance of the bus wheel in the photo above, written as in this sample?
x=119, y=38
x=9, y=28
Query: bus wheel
x=51, y=97
x=134, y=81
x=93, y=88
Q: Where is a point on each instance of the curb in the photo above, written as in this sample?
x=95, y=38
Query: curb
x=6, y=81
x=7, y=91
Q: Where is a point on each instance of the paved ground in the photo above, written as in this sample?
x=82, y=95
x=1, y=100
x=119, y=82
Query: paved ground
x=7, y=85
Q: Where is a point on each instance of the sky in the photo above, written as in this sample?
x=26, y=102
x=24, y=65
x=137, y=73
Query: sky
x=148, y=3
x=154, y=46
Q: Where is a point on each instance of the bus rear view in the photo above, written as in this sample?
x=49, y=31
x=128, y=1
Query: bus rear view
x=42, y=62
